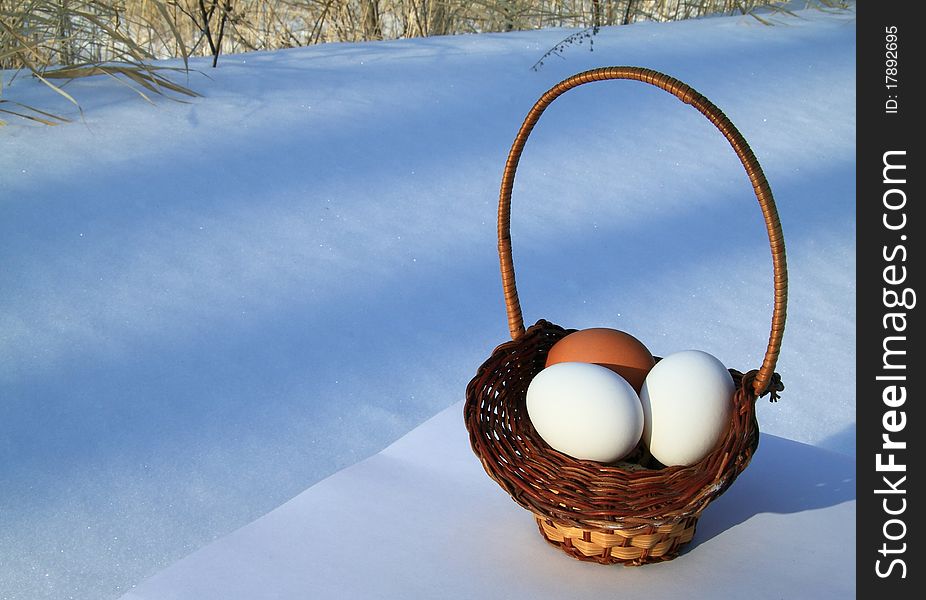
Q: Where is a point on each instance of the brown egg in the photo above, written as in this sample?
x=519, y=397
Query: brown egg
x=619, y=351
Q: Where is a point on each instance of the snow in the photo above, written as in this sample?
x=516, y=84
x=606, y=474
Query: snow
x=422, y=516
x=208, y=307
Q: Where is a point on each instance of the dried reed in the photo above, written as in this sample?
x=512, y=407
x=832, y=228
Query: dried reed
x=66, y=39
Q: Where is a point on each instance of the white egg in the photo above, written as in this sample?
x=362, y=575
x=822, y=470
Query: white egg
x=585, y=410
x=687, y=403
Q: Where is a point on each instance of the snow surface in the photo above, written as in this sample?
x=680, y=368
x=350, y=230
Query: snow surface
x=207, y=307
x=422, y=520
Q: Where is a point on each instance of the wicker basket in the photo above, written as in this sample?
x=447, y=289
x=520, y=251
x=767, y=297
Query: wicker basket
x=610, y=513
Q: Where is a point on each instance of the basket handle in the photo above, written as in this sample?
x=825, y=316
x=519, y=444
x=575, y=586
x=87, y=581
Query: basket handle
x=689, y=96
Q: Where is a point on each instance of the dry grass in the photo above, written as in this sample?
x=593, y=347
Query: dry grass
x=55, y=40
x=68, y=39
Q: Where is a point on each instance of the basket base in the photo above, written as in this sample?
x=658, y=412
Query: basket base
x=634, y=548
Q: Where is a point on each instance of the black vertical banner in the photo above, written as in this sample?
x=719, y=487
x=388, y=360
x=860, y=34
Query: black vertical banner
x=890, y=366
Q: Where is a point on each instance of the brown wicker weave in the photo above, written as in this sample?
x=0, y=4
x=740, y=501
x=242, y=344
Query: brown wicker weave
x=592, y=511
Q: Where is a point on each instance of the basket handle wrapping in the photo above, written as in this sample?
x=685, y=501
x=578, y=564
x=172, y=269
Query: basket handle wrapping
x=689, y=96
